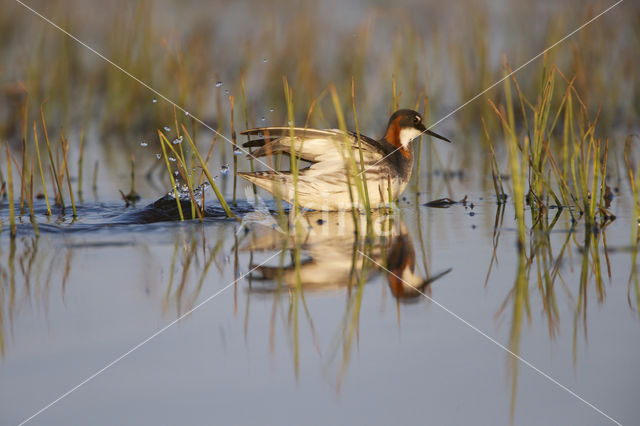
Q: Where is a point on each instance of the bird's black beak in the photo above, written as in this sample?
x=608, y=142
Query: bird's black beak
x=435, y=135
x=423, y=129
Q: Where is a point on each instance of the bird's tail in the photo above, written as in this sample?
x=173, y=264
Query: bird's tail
x=275, y=183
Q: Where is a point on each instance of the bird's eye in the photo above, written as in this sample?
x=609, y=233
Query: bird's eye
x=416, y=119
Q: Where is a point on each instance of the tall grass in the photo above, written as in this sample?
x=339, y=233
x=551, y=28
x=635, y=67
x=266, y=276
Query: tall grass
x=125, y=107
x=540, y=183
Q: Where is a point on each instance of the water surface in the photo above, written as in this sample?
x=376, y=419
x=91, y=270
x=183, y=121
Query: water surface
x=347, y=345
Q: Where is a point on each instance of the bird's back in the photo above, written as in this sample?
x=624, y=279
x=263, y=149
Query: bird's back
x=338, y=161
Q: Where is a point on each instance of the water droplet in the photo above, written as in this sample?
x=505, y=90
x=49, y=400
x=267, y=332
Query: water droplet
x=143, y=143
x=272, y=109
x=224, y=169
x=158, y=156
x=289, y=123
x=155, y=101
x=265, y=60
x=167, y=128
x=182, y=190
x=176, y=141
x=237, y=151
x=219, y=84
x=186, y=113
x=176, y=173
x=263, y=119
x=197, y=193
x=172, y=159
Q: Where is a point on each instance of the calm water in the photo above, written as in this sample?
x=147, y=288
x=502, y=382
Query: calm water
x=267, y=351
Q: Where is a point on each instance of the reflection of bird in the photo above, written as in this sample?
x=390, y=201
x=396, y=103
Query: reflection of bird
x=327, y=246
x=404, y=282
x=332, y=258
x=324, y=184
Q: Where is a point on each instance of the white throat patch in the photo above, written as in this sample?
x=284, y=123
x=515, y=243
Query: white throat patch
x=407, y=135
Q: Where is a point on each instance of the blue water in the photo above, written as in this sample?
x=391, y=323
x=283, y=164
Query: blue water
x=344, y=344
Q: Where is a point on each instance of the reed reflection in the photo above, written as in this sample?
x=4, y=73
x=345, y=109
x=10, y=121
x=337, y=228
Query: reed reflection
x=27, y=272
x=546, y=264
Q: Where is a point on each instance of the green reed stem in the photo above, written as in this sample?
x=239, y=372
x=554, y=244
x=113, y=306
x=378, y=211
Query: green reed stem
x=65, y=150
x=80, y=164
x=12, y=213
x=246, y=126
x=32, y=215
x=132, y=164
x=391, y=200
x=173, y=182
x=517, y=166
x=288, y=96
x=395, y=94
x=23, y=174
x=349, y=160
x=203, y=164
x=235, y=146
x=507, y=95
x=367, y=204
x=182, y=169
x=44, y=185
x=53, y=165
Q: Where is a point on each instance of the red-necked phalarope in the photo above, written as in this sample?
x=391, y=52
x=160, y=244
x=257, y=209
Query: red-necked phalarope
x=324, y=184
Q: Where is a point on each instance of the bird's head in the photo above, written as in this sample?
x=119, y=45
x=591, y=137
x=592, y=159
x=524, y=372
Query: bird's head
x=404, y=126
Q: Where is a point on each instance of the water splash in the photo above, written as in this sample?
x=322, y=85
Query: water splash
x=197, y=193
x=183, y=192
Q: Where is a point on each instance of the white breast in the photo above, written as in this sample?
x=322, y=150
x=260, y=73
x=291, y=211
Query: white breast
x=407, y=135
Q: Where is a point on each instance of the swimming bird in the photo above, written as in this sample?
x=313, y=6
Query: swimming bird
x=330, y=182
